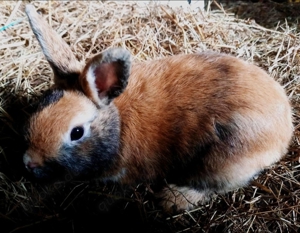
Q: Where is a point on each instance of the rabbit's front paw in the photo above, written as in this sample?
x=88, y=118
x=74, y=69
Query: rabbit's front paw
x=177, y=199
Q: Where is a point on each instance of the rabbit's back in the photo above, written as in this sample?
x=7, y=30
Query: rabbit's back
x=201, y=115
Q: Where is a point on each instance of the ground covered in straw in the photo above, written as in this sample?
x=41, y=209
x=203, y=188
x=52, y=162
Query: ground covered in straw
x=269, y=204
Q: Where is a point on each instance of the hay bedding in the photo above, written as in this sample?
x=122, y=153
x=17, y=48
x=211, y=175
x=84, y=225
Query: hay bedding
x=269, y=204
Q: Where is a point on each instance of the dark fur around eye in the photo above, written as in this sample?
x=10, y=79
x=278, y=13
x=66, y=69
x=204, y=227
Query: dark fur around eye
x=49, y=97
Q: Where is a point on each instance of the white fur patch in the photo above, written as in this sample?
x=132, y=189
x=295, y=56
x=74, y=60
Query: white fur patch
x=26, y=160
x=242, y=171
x=90, y=77
x=184, y=198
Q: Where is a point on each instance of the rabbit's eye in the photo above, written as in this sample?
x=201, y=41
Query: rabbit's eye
x=77, y=133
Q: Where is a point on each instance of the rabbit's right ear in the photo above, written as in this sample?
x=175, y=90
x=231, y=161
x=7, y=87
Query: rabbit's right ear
x=65, y=66
x=106, y=75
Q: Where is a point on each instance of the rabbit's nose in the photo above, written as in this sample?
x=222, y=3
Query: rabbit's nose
x=31, y=165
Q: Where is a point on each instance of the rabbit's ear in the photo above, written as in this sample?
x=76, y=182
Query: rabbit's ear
x=106, y=75
x=65, y=66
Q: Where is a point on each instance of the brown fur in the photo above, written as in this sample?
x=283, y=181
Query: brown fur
x=205, y=122
x=180, y=92
x=47, y=126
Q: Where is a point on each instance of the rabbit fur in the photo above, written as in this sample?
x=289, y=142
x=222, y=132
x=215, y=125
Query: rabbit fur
x=201, y=123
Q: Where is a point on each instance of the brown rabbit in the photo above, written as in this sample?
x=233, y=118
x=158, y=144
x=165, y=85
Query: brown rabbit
x=204, y=122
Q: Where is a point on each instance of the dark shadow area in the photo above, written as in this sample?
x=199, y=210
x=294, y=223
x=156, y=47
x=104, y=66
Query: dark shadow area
x=267, y=13
x=12, y=120
x=80, y=207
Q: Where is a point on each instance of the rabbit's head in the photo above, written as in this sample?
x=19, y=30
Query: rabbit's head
x=76, y=118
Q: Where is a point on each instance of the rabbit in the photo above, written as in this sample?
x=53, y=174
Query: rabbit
x=197, y=124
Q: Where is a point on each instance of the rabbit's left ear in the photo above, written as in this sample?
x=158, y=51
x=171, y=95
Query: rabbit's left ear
x=65, y=66
x=106, y=75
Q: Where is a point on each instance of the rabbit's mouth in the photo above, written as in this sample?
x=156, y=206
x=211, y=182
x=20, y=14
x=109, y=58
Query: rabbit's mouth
x=50, y=171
